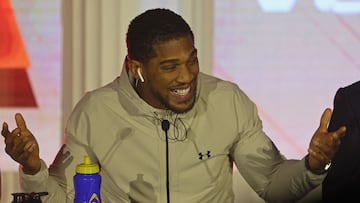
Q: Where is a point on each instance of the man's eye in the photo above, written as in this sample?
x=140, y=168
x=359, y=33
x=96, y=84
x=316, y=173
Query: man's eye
x=169, y=68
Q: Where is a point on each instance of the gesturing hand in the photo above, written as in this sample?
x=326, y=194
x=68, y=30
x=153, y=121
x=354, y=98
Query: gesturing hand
x=324, y=144
x=22, y=146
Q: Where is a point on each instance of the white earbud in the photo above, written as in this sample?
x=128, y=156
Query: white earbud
x=140, y=76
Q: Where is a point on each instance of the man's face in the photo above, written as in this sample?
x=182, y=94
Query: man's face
x=171, y=76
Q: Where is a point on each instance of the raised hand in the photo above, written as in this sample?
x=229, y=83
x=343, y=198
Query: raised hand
x=22, y=146
x=324, y=144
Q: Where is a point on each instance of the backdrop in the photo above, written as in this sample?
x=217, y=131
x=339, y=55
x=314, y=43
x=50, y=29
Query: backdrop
x=289, y=56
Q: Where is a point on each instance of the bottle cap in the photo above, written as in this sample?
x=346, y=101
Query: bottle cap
x=87, y=167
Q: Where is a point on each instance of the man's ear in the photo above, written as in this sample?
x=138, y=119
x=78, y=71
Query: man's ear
x=133, y=66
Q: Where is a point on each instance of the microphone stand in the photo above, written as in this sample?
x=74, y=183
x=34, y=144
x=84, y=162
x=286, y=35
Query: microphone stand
x=165, y=127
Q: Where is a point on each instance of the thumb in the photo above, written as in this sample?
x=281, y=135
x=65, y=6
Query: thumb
x=20, y=122
x=325, y=119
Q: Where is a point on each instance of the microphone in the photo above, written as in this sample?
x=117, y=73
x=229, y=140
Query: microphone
x=165, y=125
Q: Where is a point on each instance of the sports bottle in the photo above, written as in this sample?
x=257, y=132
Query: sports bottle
x=87, y=182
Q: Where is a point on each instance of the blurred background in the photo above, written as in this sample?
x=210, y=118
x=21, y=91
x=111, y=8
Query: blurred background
x=289, y=56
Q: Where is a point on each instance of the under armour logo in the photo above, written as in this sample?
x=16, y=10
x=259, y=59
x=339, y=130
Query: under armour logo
x=204, y=156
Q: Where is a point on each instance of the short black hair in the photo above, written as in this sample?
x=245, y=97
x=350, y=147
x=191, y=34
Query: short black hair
x=152, y=27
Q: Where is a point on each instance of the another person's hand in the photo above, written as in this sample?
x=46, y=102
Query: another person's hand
x=324, y=144
x=22, y=146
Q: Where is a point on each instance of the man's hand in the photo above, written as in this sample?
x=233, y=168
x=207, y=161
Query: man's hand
x=324, y=144
x=22, y=146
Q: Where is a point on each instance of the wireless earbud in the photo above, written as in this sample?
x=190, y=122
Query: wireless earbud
x=140, y=76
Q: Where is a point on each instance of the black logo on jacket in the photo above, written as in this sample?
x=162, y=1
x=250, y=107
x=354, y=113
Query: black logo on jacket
x=204, y=156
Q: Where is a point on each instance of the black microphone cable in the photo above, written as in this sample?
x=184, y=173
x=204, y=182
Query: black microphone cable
x=165, y=125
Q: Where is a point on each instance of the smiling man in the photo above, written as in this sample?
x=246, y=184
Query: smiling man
x=164, y=132
x=169, y=78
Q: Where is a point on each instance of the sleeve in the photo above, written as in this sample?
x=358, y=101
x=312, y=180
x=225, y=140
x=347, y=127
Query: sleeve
x=342, y=174
x=58, y=179
x=261, y=164
x=341, y=113
x=42, y=182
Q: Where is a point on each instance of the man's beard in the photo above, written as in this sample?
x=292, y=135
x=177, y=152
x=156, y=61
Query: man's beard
x=175, y=109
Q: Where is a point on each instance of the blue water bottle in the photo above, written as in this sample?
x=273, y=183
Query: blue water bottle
x=87, y=182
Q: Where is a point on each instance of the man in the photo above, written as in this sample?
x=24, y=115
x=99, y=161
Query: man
x=342, y=181
x=163, y=132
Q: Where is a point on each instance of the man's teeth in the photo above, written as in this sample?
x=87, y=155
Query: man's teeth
x=182, y=91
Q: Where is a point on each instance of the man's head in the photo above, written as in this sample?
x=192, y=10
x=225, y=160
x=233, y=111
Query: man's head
x=161, y=50
x=152, y=27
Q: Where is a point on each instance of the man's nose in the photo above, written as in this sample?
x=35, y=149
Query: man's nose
x=186, y=74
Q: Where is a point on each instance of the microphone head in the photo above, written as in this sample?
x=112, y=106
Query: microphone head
x=165, y=125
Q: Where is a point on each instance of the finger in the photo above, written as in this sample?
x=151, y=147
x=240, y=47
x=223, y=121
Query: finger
x=11, y=137
x=16, y=142
x=5, y=130
x=16, y=132
x=339, y=133
x=321, y=157
x=325, y=119
x=19, y=148
x=321, y=151
x=20, y=122
x=323, y=147
x=30, y=146
x=314, y=157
